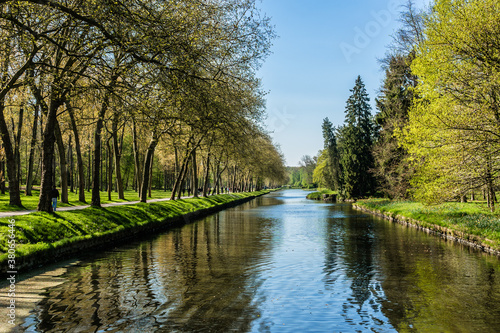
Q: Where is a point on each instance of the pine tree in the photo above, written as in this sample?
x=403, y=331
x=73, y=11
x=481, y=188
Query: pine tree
x=356, y=144
x=332, y=171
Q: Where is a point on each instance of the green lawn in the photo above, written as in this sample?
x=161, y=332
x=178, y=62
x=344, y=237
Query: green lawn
x=31, y=202
x=471, y=218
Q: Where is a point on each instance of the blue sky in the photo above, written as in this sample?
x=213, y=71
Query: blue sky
x=323, y=46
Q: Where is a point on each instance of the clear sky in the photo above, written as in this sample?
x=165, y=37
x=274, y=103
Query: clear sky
x=323, y=45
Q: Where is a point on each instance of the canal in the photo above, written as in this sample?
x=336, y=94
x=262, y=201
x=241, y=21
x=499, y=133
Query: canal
x=279, y=263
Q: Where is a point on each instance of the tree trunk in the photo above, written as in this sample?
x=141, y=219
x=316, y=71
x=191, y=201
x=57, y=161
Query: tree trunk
x=177, y=183
x=90, y=169
x=136, y=158
x=63, y=163
x=117, y=155
x=110, y=170
x=182, y=176
x=207, y=176
x=2, y=180
x=179, y=180
x=151, y=175
x=147, y=168
x=71, y=165
x=17, y=151
x=49, y=138
x=216, y=179
x=14, y=193
x=96, y=196
x=195, y=174
x=96, y=175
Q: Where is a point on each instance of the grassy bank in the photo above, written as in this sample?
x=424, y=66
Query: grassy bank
x=40, y=231
x=319, y=194
x=469, y=221
x=31, y=202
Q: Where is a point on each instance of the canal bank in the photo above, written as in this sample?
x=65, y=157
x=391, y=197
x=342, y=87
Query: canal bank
x=42, y=238
x=446, y=232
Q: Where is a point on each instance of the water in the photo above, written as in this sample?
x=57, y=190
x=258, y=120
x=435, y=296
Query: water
x=280, y=263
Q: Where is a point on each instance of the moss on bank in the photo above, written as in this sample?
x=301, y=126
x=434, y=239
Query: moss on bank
x=42, y=232
x=471, y=222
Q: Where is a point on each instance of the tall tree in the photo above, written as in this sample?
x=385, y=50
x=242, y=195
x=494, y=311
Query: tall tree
x=356, y=144
x=392, y=168
x=332, y=172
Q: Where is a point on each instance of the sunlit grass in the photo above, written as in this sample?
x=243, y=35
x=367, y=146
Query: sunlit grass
x=31, y=202
x=472, y=218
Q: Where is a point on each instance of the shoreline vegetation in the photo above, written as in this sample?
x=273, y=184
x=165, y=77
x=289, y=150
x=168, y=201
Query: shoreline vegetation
x=468, y=223
x=44, y=238
x=323, y=194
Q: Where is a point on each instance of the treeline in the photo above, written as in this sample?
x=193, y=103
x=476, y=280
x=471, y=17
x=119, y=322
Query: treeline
x=113, y=95
x=436, y=135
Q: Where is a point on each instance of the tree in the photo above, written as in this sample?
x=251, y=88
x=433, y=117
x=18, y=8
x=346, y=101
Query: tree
x=332, y=170
x=307, y=164
x=453, y=134
x=356, y=138
x=392, y=168
x=144, y=74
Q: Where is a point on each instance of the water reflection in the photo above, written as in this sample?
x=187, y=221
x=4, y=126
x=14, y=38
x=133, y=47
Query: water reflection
x=279, y=264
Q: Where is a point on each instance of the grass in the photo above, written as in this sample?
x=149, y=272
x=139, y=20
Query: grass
x=319, y=194
x=472, y=218
x=39, y=231
x=31, y=202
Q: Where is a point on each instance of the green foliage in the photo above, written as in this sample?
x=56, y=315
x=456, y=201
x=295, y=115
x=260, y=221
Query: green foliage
x=329, y=168
x=452, y=134
x=355, y=142
x=306, y=172
x=392, y=169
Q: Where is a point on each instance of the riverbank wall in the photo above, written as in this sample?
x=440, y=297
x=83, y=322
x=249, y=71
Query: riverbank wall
x=68, y=248
x=450, y=234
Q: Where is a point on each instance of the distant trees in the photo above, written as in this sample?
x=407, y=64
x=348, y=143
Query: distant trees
x=329, y=166
x=303, y=175
x=140, y=94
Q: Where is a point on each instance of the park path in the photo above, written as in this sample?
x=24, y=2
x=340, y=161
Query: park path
x=63, y=209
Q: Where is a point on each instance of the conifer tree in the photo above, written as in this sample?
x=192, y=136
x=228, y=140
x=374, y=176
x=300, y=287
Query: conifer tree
x=356, y=143
x=332, y=172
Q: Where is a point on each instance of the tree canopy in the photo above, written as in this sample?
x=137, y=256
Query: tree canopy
x=132, y=90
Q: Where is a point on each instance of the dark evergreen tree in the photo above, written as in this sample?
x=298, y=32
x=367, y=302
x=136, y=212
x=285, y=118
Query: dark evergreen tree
x=356, y=144
x=392, y=170
x=332, y=171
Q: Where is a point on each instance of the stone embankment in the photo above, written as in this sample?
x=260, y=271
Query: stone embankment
x=443, y=232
